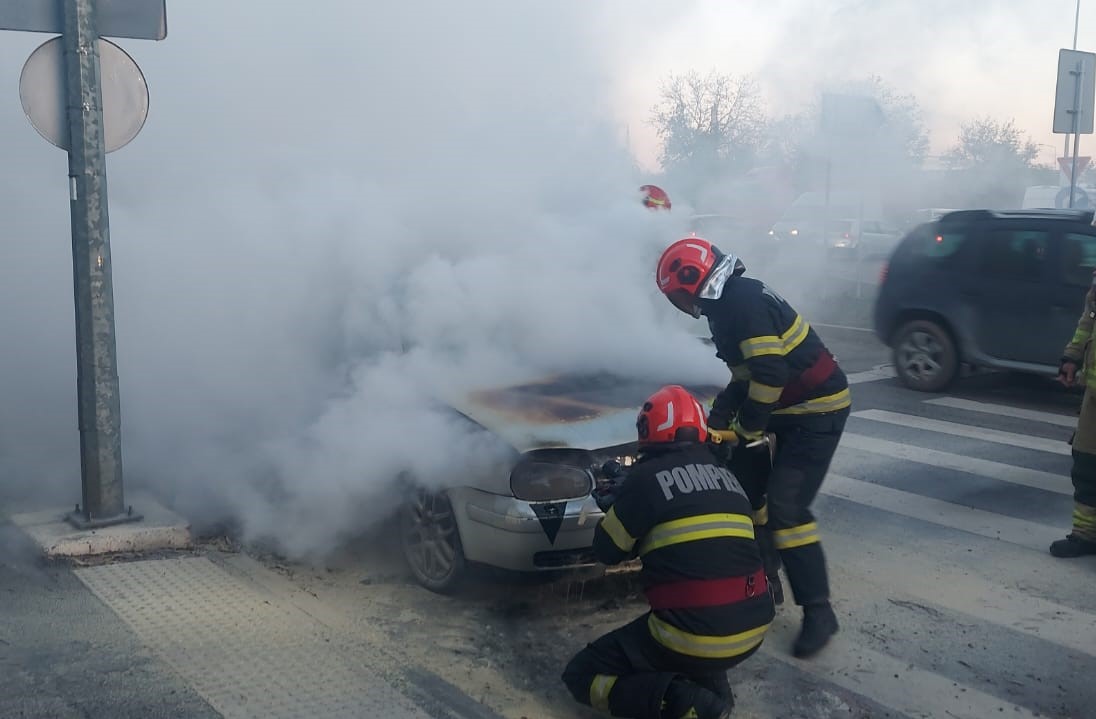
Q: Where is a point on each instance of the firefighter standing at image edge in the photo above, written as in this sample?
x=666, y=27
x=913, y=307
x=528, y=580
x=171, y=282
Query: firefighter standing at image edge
x=688, y=520
x=785, y=382
x=1078, y=365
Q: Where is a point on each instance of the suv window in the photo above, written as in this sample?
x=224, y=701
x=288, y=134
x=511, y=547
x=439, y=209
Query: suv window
x=1078, y=259
x=1015, y=254
x=934, y=243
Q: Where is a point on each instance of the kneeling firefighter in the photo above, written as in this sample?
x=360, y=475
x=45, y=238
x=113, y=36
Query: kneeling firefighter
x=785, y=382
x=688, y=520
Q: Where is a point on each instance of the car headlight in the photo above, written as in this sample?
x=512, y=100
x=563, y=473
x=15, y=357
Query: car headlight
x=540, y=481
x=794, y=233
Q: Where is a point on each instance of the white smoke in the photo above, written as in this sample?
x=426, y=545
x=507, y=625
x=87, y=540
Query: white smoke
x=335, y=214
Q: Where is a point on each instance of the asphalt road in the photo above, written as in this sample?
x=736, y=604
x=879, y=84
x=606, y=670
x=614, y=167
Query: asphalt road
x=936, y=520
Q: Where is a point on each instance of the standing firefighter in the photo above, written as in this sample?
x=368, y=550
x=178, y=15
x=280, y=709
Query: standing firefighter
x=1079, y=356
x=655, y=198
x=688, y=520
x=784, y=381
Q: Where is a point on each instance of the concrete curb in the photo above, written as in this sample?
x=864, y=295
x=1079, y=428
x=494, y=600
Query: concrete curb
x=160, y=528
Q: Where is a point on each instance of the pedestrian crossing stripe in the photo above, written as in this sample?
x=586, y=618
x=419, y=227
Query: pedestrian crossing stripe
x=1004, y=410
x=1012, y=439
x=1036, y=479
x=1020, y=532
x=894, y=683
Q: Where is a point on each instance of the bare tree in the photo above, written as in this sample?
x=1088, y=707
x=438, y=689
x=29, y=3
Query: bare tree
x=712, y=123
x=986, y=142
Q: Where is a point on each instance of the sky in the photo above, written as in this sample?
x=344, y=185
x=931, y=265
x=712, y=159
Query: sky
x=960, y=59
x=337, y=213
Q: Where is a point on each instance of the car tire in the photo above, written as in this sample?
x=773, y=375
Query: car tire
x=430, y=541
x=925, y=356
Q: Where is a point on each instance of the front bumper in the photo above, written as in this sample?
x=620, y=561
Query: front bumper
x=522, y=536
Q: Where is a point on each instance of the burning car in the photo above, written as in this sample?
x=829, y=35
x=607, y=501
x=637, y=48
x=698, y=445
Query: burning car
x=536, y=513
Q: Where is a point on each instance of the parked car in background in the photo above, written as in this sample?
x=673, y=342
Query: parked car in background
x=861, y=238
x=802, y=223
x=533, y=512
x=989, y=289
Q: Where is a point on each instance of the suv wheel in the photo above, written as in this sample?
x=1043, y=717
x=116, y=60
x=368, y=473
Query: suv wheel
x=925, y=357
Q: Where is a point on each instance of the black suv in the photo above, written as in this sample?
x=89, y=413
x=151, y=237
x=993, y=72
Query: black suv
x=993, y=289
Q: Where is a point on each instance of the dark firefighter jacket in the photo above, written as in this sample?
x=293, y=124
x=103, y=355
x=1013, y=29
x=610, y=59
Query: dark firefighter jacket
x=779, y=364
x=687, y=519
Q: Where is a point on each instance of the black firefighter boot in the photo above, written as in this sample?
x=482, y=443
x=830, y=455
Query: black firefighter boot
x=688, y=700
x=819, y=624
x=1072, y=546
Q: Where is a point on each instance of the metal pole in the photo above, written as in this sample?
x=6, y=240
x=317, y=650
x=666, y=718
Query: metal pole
x=1078, y=74
x=99, y=412
x=1076, y=23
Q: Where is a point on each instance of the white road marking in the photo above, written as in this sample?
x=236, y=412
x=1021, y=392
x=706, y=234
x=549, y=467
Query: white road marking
x=1012, y=439
x=946, y=514
x=1048, y=481
x=871, y=375
x=891, y=682
x=891, y=571
x=1002, y=410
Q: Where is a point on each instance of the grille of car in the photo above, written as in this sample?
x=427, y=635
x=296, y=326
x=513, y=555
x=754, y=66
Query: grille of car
x=560, y=558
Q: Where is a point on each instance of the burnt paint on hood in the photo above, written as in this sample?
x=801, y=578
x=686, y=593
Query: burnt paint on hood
x=586, y=411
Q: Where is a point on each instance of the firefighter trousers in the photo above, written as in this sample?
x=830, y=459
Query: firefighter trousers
x=1083, y=473
x=626, y=673
x=805, y=445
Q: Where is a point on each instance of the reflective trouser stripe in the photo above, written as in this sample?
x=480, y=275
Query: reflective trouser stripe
x=1084, y=521
x=691, y=529
x=796, y=536
x=695, y=645
x=599, y=691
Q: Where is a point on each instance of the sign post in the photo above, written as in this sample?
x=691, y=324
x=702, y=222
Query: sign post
x=1073, y=102
x=79, y=84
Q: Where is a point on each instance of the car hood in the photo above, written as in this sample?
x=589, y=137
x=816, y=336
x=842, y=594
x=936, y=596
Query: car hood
x=582, y=411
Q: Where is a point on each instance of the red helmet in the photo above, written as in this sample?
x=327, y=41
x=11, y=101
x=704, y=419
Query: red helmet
x=671, y=415
x=692, y=269
x=654, y=197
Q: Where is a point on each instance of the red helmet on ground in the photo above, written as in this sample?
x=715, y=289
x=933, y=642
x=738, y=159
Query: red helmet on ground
x=693, y=269
x=655, y=198
x=671, y=415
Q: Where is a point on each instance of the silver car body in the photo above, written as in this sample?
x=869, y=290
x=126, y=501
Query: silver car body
x=575, y=420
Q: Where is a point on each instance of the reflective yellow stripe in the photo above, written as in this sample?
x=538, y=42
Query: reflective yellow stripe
x=1084, y=520
x=695, y=645
x=745, y=433
x=796, y=536
x=795, y=334
x=820, y=405
x=764, y=345
x=761, y=516
x=599, y=691
x=773, y=345
x=691, y=529
x=763, y=393
x=616, y=531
